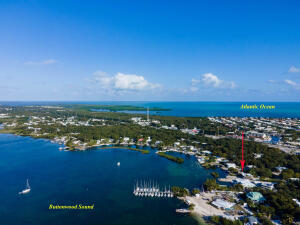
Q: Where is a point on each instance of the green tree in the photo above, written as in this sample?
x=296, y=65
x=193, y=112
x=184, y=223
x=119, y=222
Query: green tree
x=195, y=191
x=287, y=219
x=215, y=174
x=286, y=174
x=211, y=184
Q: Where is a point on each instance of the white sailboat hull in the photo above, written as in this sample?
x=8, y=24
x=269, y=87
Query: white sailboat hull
x=25, y=191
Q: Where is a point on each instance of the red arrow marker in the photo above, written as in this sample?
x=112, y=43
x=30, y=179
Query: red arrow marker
x=242, y=161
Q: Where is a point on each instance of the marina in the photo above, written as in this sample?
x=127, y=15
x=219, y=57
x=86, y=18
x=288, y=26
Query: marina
x=151, y=189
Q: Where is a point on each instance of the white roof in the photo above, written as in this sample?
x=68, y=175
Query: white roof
x=222, y=204
x=245, y=182
x=233, y=165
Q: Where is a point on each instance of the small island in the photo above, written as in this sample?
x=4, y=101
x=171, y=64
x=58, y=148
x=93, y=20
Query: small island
x=170, y=157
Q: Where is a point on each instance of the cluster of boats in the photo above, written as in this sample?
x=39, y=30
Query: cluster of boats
x=150, y=189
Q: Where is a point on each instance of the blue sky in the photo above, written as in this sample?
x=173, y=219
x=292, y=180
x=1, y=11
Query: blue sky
x=150, y=50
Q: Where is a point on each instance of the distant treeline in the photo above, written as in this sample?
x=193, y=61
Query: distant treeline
x=114, y=108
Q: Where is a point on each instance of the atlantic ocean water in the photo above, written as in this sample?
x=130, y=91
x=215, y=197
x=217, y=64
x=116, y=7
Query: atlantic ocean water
x=198, y=109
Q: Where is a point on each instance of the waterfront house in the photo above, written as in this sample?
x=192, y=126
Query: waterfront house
x=205, y=152
x=244, y=182
x=157, y=142
x=246, y=175
x=176, y=143
x=231, y=165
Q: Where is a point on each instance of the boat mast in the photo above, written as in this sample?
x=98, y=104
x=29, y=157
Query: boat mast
x=27, y=185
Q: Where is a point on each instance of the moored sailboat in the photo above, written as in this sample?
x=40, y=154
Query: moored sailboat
x=26, y=190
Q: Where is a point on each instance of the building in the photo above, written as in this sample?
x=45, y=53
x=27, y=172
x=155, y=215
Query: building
x=280, y=168
x=255, y=197
x=231, y=165
x=256, y=134
x=252, y=220
x=266, y=185
x=222, y=204
x=206, y=152
x=244, y=182
x=246, y=175
x=297, y=201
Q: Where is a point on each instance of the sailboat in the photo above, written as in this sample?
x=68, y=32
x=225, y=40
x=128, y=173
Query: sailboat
x=26, y=190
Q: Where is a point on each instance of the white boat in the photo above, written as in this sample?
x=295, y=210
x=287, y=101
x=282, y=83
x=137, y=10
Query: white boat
x=182, y=210
x=118, y=163
x=201, y=160
x=27, y=190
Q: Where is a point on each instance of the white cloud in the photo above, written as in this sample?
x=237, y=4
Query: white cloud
x=296, y=86
x=132, y=82
x=45, y=62
x=294, y=69
x=290, y=82
x=212, y=80
x=122, y=81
